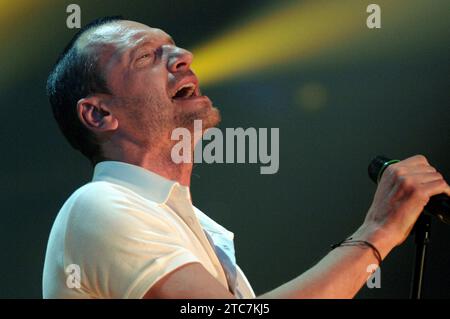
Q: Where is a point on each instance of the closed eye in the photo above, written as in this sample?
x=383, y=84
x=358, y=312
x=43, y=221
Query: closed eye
x=144, y=59
x=144, y=56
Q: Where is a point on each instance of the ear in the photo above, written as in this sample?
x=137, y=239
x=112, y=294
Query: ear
x=96, y=115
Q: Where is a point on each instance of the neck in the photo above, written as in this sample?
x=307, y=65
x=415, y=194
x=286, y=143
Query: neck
x=156, y=160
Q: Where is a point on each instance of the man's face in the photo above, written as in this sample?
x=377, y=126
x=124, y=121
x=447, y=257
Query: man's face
x=154, y=90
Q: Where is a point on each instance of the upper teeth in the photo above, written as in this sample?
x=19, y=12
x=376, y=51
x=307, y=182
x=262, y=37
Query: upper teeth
x=190, y=86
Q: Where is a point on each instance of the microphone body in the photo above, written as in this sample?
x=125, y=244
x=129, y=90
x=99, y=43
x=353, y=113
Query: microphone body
x=438, y=205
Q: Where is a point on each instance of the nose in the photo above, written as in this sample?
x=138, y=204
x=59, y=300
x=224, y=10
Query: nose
x=179, y=60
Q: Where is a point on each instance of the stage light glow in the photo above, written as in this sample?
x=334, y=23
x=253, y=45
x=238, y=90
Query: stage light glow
x=301, y=30
x=14, y=13
x=293, y=31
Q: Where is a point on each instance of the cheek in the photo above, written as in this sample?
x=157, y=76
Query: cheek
x=120, y=83
x=140, y=83
x=148, y=83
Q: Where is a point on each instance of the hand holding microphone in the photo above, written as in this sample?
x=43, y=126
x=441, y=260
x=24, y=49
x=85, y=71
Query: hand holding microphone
x=438, y=205
x=404, y=191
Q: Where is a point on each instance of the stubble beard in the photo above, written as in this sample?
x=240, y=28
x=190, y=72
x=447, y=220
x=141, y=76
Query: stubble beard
x=154, y=120
x=209, y=115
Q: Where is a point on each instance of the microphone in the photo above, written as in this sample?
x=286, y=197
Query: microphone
x=438, y=205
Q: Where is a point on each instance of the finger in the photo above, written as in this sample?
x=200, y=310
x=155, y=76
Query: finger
x=416, y=160
x=435, y=188
x=423, y=178
x=403, y=171
x=419, y=170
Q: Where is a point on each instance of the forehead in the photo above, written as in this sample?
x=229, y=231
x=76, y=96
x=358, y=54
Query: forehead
x=121, y=35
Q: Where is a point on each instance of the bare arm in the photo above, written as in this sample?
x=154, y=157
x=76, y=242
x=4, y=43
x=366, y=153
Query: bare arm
x=340, y=274
x=190, y=281
x=401, y=196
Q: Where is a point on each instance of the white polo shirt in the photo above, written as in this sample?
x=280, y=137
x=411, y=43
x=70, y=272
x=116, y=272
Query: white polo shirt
x=116, y=236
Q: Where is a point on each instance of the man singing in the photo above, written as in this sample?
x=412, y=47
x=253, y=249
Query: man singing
x=118, y=91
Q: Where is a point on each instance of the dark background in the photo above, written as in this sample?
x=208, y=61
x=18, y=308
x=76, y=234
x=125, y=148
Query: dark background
x=373, y=91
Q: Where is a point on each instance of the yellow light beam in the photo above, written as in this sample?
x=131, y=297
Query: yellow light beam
x=297, y=30
x=14, y=13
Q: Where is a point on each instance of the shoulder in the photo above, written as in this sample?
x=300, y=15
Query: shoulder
x=99, y=208
x=101, y=196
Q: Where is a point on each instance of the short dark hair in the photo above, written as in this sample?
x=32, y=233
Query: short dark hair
x=74, y=76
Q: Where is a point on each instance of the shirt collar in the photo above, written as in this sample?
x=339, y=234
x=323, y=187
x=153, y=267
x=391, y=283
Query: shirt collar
x=140, y=180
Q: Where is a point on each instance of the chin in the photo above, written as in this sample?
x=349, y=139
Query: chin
x=208, y=114
x=211, y=119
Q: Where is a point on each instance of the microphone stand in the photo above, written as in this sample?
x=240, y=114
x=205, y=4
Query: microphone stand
x=422, y=240
x=438, y=206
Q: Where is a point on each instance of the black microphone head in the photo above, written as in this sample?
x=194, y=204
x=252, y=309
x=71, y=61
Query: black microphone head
x=375, y=167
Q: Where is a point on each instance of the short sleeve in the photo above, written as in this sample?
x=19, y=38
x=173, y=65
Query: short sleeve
x=122, y=245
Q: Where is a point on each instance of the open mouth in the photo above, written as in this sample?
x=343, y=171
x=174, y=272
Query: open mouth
x=185, y=91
